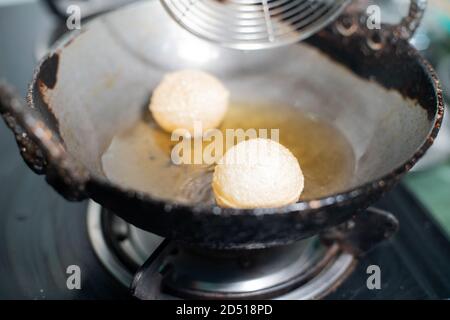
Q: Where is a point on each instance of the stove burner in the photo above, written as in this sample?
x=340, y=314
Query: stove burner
x=121, y=247
x=305, y=270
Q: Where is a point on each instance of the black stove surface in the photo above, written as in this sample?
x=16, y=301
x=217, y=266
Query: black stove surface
x=414, y=264
x=41, y=234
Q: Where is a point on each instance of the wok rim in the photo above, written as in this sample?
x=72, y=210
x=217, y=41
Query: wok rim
x=378, y=185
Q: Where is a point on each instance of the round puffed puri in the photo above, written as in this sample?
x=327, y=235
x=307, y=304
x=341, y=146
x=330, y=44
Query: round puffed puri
x=186, y=97
x=257, y=173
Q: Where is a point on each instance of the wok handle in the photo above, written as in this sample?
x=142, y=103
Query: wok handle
x=355, y=22
x=411, y=22
x=41, y=150
x=380, y=39
x=10, y=110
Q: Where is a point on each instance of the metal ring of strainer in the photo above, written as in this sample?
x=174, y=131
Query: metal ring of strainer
x=254, y=24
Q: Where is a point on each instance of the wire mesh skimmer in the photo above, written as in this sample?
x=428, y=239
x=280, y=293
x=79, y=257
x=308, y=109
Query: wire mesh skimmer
x=254, y=24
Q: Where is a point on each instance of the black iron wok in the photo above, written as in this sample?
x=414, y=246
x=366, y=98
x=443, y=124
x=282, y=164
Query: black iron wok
x=373, y=86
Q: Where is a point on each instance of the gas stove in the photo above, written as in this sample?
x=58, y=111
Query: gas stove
x=39, y=247
x=303, y=270
x=44, y=238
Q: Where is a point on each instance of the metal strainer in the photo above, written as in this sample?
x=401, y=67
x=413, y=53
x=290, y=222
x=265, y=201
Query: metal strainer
x=260, y=24
x=254, y=24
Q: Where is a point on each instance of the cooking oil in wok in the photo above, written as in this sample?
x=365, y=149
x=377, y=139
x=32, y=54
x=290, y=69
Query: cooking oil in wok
x=140, y=157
